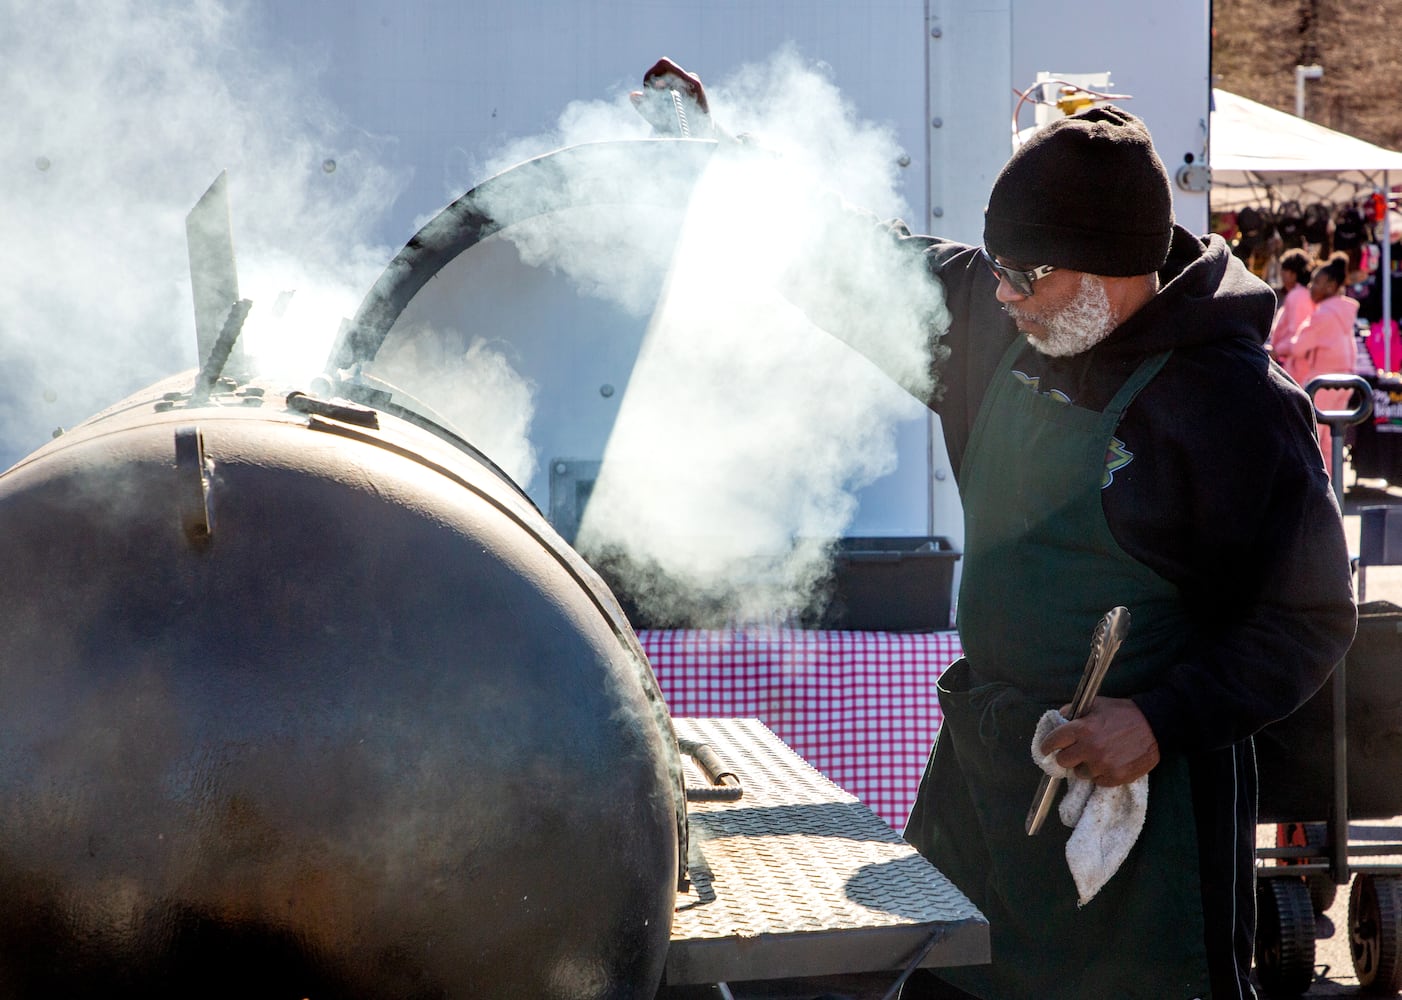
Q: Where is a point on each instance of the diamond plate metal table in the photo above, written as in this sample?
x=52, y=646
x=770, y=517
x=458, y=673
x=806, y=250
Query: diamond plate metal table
x=799, y=879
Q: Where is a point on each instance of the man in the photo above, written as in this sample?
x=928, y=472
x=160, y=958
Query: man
x=1120, y=437
x=1135, y=446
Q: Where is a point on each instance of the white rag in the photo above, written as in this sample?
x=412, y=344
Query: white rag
x=1105, y=822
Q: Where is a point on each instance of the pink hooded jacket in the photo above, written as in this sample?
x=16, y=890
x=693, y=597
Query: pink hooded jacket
x=1294, y=309
x=1324, y=342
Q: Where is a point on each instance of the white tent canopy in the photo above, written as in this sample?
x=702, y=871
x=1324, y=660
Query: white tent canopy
x=1260, y=156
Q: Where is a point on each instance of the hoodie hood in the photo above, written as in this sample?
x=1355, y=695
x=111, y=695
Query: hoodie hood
x=1205, y=280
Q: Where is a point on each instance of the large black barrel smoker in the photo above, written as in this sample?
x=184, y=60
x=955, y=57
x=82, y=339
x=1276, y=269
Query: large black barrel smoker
x=298, y=701
x=300, y=696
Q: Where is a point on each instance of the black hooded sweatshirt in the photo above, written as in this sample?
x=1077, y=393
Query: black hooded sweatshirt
x=1215, y=481
x=1220, y=485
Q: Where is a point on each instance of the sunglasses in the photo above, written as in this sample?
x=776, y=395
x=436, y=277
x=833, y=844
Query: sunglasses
x=1019, y=280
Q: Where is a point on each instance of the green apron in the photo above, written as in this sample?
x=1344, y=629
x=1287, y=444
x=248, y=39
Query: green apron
x=1040, y=569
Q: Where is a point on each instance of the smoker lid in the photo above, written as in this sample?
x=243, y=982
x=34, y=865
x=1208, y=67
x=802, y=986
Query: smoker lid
x=476, y=302
x=552, y=182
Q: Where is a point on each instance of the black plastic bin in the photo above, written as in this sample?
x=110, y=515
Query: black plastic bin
x=1293, y=756
x=890, y=584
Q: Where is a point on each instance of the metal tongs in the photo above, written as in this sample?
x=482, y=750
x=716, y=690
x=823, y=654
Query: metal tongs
x=1103, y=645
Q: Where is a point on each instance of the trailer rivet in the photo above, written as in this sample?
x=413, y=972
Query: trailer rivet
x=936, y=33
x=937, y=212
x=937, y=122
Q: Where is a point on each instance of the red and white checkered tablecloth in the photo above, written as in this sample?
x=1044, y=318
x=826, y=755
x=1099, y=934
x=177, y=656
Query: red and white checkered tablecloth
x=860, y=707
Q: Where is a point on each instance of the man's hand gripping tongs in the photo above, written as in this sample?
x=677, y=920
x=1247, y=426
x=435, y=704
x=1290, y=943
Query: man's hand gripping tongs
x=1103, y=644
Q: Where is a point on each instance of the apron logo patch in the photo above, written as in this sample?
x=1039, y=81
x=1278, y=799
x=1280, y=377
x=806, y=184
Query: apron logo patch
x=1117, y=456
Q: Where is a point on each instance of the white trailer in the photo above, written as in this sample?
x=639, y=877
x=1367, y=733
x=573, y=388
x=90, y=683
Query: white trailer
x=453, y=82
x=429, y=94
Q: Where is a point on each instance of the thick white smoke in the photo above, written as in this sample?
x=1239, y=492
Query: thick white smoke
x=118, y=116
x=746, y=430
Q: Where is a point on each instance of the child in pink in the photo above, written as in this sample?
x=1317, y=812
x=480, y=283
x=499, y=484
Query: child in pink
x=1324, y=342
x=1296, y=304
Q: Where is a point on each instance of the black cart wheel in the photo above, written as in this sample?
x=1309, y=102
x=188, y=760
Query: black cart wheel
x=1322, y=891
x=1322, y=888
x=1284, y=936
x=1375, y=932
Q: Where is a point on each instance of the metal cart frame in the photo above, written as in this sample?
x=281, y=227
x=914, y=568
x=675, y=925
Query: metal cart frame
x=1289, y=891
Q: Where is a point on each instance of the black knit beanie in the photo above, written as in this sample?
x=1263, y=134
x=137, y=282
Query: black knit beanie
x=1086, y=192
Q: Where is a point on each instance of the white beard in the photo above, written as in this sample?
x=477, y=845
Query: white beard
x=1079, y=325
